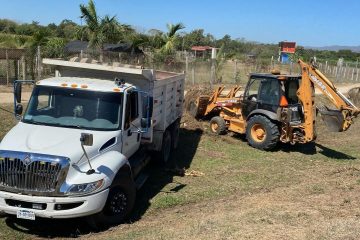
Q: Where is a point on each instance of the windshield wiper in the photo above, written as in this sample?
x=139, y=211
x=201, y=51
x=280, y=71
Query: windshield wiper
x=32, y=122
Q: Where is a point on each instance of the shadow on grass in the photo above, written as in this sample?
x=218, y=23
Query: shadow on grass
x=310, y=149
x=158, y=179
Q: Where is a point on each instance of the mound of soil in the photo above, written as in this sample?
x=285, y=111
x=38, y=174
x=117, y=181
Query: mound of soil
x=194, y=93
x=354, y=95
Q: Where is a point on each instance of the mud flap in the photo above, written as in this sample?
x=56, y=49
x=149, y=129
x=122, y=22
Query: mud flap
x=333, y=119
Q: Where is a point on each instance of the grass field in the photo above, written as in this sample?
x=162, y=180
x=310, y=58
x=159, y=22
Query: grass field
x=295, y=192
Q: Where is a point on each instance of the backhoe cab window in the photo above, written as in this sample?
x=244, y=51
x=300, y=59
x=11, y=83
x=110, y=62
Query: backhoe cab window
x=291, y=88
x=265, y=90
x=252, y=90
x=269, y=91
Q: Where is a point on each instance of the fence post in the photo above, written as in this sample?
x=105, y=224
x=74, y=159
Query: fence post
x=193, y=73
x=38, y=56
x=213, y=72
x=23, y=65
x=326, y=66
x=7, y=67
x=235, y=71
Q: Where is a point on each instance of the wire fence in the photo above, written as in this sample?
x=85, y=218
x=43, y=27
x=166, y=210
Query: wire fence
x=26, y=64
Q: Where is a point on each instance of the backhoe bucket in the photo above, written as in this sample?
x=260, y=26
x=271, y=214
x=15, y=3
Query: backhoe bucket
x=333, y=119
x=198, y=107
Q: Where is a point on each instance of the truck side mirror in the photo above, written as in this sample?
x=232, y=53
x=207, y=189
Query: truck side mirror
x=86, y=139
x=18, y=109
x=17, y=91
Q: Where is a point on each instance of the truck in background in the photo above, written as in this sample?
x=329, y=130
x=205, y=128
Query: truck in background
x=81, y=145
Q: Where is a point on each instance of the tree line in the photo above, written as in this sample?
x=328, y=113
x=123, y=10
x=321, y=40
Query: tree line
x=98, y=30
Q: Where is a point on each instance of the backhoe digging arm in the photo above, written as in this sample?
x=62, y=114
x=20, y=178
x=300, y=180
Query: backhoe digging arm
x=347, y=111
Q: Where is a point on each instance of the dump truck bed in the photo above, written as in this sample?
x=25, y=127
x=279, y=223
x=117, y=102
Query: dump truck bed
x=166, y=88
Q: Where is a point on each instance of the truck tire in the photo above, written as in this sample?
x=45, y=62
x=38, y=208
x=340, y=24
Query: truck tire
x=218, y=125
x=164, y=155
x=262, y=133
x=175, y=130
x=119, y=204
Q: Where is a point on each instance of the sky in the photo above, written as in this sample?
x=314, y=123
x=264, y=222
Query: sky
x=308, y=22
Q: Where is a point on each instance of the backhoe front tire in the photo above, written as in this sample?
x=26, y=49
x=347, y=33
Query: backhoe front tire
x=218, y=125
x=262, y=133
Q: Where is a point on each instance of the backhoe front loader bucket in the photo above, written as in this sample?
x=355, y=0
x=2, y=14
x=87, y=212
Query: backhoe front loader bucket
x=198, y=107
x=333, y=119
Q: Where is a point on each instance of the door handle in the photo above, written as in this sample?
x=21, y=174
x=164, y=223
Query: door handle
x=129, y=132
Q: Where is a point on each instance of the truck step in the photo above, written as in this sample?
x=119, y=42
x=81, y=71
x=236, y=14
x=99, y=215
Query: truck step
x=140, y=180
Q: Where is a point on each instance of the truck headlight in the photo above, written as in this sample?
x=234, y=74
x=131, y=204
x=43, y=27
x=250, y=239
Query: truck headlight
x=85, y=188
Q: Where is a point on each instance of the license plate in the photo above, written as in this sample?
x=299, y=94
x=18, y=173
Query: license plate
x=25, y=214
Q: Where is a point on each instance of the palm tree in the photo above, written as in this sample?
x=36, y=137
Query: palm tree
x=98, y=30
x=171, y=37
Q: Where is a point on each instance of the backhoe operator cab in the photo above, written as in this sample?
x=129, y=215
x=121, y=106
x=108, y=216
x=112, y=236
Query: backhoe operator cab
x=270, y=102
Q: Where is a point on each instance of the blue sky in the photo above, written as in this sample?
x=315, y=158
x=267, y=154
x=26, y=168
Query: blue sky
x=308, y=22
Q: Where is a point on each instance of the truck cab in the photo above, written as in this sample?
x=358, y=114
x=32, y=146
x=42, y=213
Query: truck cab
x=81, y=145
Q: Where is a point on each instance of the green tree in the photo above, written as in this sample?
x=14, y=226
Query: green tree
x=98, y=30
x=170, y=38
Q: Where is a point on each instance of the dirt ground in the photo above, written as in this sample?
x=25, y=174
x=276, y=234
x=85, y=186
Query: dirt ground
x=294, y=192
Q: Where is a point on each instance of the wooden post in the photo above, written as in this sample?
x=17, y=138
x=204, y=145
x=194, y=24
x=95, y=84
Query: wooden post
x=357, y=74
x=193, y=73
x=16, y=69
x=23, y=65
x=326, y=66
x=212, y=72
x=186, y=64
x=39, y=62
x=7, y=67
x=352, y=74
x=235, y=71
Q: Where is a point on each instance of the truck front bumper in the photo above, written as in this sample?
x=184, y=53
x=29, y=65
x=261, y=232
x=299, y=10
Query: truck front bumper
x=74, y=207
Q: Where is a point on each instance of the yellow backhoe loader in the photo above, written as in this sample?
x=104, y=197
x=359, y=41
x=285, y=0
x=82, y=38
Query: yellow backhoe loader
x=276, y=108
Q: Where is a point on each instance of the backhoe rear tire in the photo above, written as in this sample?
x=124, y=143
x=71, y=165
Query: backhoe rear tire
x=262, y=133
x=218, y=125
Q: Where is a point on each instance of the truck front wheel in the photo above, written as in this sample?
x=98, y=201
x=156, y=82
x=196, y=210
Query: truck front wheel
x=262, y=133
x=119, y=204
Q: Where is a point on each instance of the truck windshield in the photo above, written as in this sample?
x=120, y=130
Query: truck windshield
x=74, y=108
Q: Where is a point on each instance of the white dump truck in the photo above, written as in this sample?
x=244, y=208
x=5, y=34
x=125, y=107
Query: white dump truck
x=84, y=138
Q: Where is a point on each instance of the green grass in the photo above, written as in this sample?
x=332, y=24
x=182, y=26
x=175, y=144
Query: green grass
x=231, y=169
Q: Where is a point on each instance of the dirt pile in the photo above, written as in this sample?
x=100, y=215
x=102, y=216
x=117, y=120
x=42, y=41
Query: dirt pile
x=194, y=93
x=190, y=123
x=354, y=95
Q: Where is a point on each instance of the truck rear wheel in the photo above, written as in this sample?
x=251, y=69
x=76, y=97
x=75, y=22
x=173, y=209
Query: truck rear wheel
x=119, y=204
x=175, y=130
x=163, y=155
x=261, y=133
x=218, y=125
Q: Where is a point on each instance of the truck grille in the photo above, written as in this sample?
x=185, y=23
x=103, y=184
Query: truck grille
x=31, y=174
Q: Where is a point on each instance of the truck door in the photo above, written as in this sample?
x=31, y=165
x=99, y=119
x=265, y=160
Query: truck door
x=131, y=124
